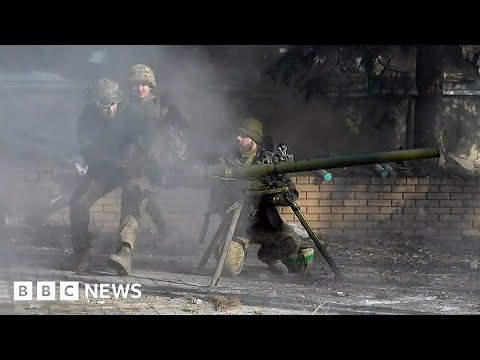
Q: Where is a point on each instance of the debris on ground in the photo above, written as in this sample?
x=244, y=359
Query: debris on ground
x=224, y=303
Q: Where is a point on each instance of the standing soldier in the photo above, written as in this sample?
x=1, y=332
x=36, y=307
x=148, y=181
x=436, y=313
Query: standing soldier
x=107, y=131
x=260, y=222
x=168, y=128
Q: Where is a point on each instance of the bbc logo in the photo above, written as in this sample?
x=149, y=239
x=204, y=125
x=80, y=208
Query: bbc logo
x=69, y=290
x=46, y=290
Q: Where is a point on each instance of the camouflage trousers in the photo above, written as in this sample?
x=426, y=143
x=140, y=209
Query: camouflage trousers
x=133, y=193
x=282, y=244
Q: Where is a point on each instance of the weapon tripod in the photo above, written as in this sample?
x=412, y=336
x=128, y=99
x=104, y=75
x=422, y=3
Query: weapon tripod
x=227, y=228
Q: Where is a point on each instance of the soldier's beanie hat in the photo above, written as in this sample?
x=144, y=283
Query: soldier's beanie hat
x=252, y=128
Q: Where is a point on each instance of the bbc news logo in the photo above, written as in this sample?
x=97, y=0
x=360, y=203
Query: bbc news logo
x=70, y=291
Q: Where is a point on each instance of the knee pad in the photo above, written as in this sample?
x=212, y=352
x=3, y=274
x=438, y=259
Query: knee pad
x=301, y=261
x=235, y=257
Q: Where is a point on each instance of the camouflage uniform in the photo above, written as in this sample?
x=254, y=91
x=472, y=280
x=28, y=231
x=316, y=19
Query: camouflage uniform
x=167, y=127
x=107, y=147
x=260, y=222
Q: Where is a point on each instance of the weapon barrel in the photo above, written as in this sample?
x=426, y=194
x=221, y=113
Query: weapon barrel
x=240, y=172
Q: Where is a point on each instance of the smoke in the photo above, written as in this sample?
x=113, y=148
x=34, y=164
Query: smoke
x=42, y=97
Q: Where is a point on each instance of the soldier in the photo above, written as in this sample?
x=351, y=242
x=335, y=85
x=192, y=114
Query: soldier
x=168, y=129
x=107, y=131
x=260, y=222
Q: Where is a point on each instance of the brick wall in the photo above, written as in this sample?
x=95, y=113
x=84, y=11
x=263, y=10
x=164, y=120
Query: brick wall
x=357, y=207
x=364, y=206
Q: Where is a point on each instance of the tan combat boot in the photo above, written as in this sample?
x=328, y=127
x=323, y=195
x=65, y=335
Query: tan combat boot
x=121, y=262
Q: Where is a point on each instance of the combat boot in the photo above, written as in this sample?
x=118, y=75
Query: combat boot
x=278, y=268
x=121, y=262
x=78, y=261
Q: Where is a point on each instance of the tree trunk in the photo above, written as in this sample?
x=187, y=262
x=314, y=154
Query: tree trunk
x=428, y=105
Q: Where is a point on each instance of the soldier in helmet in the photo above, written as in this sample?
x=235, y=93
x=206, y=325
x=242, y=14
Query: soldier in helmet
x=280, y=247
x=107, y=131
x=162, y=144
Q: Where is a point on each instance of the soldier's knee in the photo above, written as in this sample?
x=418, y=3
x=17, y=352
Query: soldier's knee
x=235, y=258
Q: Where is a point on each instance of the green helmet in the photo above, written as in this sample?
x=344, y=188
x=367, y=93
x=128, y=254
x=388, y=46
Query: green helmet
x=140, y=73
x=252, y=128
x=104, y=92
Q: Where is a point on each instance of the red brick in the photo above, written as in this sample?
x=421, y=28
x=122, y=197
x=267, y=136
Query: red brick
x=404, y=218
x=343, y=210
x=437, y=210
x=355, y=217
x=320, y=224
x=366, y=210
x=380, y=188
x=379, y=217
x=311, y=217
x=356, y=188
x=379, y=202
x=319, y=210
x=429, y=217
x=461, y=196
x=307, y=202
x=414, y=196
x=364, y=224
x=366, y=195
x=471, y=232
x=342, y=195
x=391, y=210
x=451, y=189
x=471, y=218
x=308, y=187
x=462, y=211
x=427, y=203
x=318, y=195
x=439, y=196
x=327, y=202
x=404, y=188
x=355, y=202
x=390, y=196
x=342, y=224
x=414, y=224
x=334, y=217
x=452, y=203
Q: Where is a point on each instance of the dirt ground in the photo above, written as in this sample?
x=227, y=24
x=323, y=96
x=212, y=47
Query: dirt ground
x=388, y=275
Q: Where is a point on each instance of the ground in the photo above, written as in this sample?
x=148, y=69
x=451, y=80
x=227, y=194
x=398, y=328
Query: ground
x=391, y=275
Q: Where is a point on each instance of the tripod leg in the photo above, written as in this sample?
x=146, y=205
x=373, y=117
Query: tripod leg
x=215, y=240
x=203, y=232
x=228, y=240
x=296, y=209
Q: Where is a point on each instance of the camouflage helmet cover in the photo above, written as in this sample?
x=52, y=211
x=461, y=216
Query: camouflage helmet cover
x=140, y=73
x=104, y=92
x=252, y=128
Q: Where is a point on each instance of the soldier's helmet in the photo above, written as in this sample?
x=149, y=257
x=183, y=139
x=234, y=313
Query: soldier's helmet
x=140, y=73
x=104, y=92
x=252, y=128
